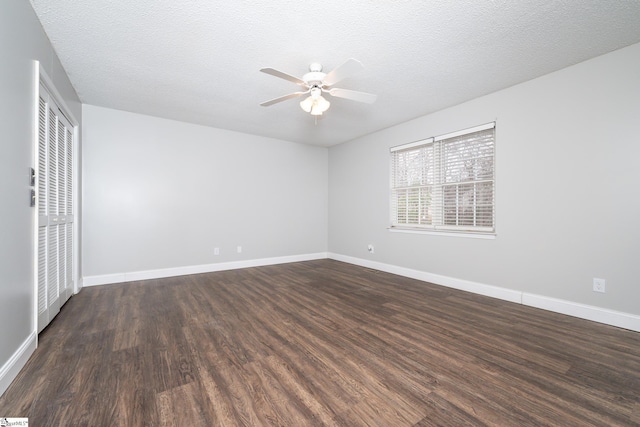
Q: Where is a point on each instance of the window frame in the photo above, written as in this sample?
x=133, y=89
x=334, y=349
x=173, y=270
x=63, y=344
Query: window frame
x=431, y=180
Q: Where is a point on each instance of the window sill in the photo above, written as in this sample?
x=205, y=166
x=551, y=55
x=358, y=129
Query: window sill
x=447, y=233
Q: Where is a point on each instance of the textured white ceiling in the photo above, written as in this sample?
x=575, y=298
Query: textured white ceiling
x=198, y=61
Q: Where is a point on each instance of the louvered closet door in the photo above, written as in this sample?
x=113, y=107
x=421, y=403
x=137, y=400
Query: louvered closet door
x=55, y=209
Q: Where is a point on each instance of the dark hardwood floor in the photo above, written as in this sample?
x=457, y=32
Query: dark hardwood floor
x=321, y=343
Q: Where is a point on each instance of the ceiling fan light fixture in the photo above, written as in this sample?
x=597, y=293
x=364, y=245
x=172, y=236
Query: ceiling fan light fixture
x=315, y=104
x=316, y=82
x=307, y=104
x=320, y=106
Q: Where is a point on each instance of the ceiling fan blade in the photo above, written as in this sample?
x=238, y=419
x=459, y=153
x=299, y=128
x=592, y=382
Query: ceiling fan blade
x=283, y=98
x=351, y=66
x=353, y=95
x=283, y=75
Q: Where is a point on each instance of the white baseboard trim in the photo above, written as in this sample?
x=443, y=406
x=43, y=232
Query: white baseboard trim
x=597, y=314
x=587, y=312
x=195, y=269
x=103, y=279
x=16, y=362
x=450, y=282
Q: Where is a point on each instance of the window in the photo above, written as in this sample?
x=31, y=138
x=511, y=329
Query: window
x=445, y=183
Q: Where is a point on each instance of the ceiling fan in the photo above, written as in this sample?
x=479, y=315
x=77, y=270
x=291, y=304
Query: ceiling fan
x=315, y=83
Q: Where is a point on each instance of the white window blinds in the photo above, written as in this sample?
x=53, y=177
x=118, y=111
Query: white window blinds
x=445, y=183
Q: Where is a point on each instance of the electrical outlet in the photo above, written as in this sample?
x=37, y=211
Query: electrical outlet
x=239, y=249
x=370, y=249
x=216, y=251
x=598, y=285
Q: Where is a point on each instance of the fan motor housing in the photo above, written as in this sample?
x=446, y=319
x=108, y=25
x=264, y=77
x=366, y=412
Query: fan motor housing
x=314, y=78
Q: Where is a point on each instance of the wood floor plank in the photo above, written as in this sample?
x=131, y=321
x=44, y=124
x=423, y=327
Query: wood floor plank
x=181, y=406
x=321, y=343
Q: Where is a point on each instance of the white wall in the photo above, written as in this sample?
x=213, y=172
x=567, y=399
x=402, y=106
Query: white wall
x=161, y=194
x=22, y=41
x=567, y=204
